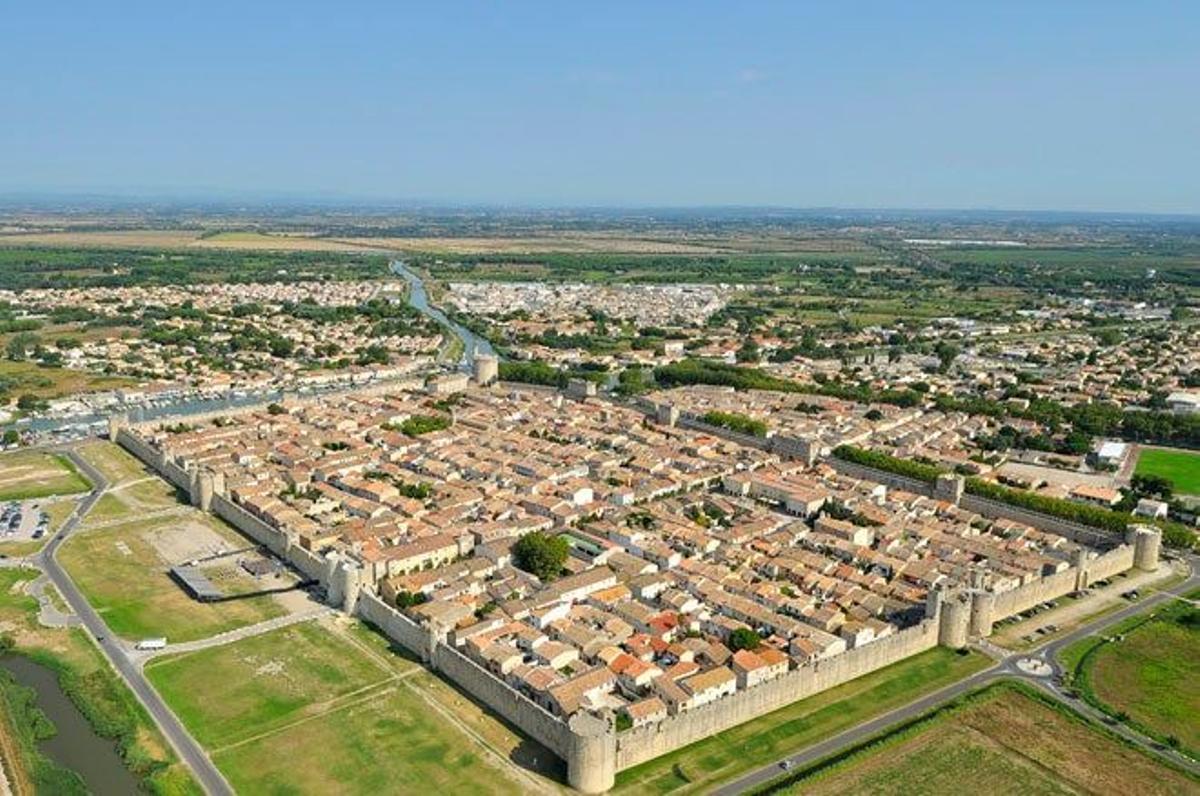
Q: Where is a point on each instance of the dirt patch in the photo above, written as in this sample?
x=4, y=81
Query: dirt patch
x=184, y=539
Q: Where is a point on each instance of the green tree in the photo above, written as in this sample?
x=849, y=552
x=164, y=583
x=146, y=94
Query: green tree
x=19, y=344
x=744, y=639
x=407, y=599
x=540, y=554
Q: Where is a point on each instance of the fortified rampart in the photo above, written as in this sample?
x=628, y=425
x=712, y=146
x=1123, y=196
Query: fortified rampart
x=1076, y=532
x=593, y=751
x=652, y=740
x=890, y=480
x=690, y=421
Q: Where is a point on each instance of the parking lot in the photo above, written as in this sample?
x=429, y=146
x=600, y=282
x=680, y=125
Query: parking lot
x=23, y=521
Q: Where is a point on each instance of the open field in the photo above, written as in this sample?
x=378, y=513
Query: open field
x=371, y=720
x=92, y=685
x=29, y=378
x=36, y=474
x=697, y=768
x=264, y=682
x=1182, y=468
x=1002, y=740
x=1151, y=673
x=550, y=242
x=122, y=570
x=134, y=491
x=136, y=238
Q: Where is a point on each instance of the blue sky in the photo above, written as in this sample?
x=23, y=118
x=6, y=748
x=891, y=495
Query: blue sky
x=1048, y=105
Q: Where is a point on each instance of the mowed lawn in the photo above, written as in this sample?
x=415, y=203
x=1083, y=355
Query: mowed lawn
x=310, y=710
x=701, y=766
x=1153, y=675
x=36, y=474
x=1182, y=468
x=120, y=571
x=1000, y=741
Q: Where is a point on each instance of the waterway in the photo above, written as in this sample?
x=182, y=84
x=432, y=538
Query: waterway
x=76, y=745
x=418, y=299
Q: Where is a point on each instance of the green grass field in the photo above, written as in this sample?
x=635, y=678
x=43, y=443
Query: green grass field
x=124, y=576
x=1181, y=467
x=1002, y=740
x=368, y=721
x=133, y=492
x=263, y=682
x=34, y=474
x=699, y=767
x=1152, y=675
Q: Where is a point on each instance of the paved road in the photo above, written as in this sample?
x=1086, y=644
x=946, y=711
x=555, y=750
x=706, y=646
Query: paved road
x=1005, y=667
x=185, y=746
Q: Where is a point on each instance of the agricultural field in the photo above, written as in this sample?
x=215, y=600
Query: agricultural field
x=1149, y=674
x=93, y=686
x=373, y=721
x=35, y=474
x=1181, y=468
x=1002, y=740
x=701, y=766
x=122, y=569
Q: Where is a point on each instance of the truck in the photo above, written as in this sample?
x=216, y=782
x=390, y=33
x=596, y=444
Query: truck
x=151, y=644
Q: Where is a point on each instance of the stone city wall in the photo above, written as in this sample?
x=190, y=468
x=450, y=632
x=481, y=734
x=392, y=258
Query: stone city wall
x=395, y=625
x=653, y=740
x=1082, y=534
x=693, y=422
x=515, y=707
x=888, y=479
x=1044, y=589
x=518, y=709
x=1116, y=560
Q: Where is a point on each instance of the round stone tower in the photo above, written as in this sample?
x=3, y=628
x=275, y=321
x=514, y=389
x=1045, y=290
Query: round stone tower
x=1079, y=560
x=202, y=489
x=487, y=369
x=351, y=585
x=983, y=605
x=335, y=591
x=115, y=424
x=954, y=620
x=591, y=754
x=1147, y=542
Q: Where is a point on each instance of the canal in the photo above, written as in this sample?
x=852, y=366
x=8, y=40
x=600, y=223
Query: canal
x=418, y=299
x=76, y=745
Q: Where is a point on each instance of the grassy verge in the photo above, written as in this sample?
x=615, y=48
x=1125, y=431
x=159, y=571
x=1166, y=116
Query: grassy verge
x=727, y=754
x=1006, y=738
x=27, y=475
x=1145, y=672
x=97, y=691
